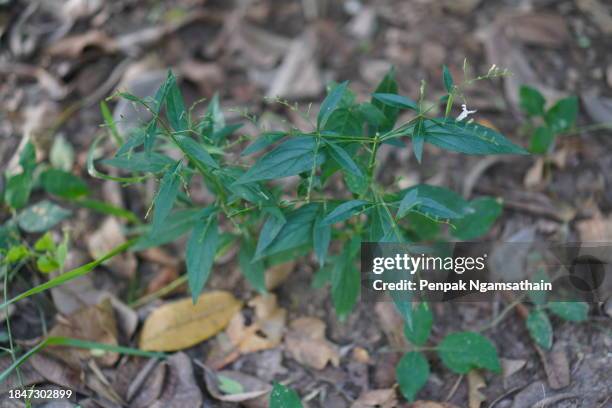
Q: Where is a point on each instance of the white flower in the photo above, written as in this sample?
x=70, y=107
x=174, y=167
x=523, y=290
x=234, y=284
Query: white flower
x=465, y=112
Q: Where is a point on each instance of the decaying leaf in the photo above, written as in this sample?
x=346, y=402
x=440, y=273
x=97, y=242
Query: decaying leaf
x=29, y=375
x=510, y=366
x=139, y=381
x=181, y=324
x=475, y=383
x=265, y=332
x=556, y=365
x=107, y=237
x=93, y=323
x=307, y=344
x=180, y=388
x=277, y=274
x=74, y=45
x=233, y=386
x=386, y=398
x=57, y=372
x=431, y=404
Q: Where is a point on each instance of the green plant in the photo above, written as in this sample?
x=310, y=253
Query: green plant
x=272, y=224
x=545, y=125
x=538, y=322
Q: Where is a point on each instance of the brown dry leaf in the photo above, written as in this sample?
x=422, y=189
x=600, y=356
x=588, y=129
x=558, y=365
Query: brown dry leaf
x=307, y=344
x=163, y=277
x=252, y=388
x=556, y=365
x=277, y=274
x=510, y=366
x=596, y=229
x=140, y=382
x=207, y=76
x=503, y=46
x=299, y=75
x=475, y=383
x=391, y=323
x=93, y=323
x=56, y=372
x=181, y=324
x=600, y=13
x=181, y=389
x=29, y=375
x=431, y=404
x=265, y=332
x=386, y=398
x=535, y=174
x=107, y=237
x=74, y=45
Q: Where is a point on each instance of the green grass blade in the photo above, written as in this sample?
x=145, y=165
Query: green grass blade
x=78, y=343
x=65, y=277
x=108, y=209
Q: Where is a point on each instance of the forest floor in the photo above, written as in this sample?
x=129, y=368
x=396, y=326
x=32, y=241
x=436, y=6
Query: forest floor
x=59, y=59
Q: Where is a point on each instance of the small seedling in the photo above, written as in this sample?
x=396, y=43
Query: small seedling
x=545, y=125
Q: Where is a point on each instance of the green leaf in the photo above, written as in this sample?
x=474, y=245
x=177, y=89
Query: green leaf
x=388, y=85
x=153, y=162
x=47, y=264
x=61, y=155
x=263, y=141
x=395, y=101
x=346, y=122
x=418, y=139
x=447, y=79
x=485, y=211
x=412, y=373
x=572, y=311
x=344, y=211
x=27, y=158
x=283, y=397
x=562, y=115
x=410, y=200
x=321, y=237
x=17, y=253
x=291, y=157
x=330, y=103
x=229, y=386
x=42, y=216
x=195, y=152
x=200, y=253
x=63, y=184
x=343, y=159
x=435, y=202
x=270, y=230
x=18, y=189
x=346, y=280
x=538, y=297
x=422, y=320
x=541, y=140
x=68, y=276
x=531, y=101
x=468, y=137
x=166, y=196
x=464, y=351
x=254, y=272
x=297, y=231
x=174, y=226
x=109, y=122
x=45, y=243
x=175, y=106
x=540, y=328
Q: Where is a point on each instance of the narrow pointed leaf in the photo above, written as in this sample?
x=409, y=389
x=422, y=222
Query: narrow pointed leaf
x=396, y=101
x=344, y=211
x=168, y=191
x=200, y=254
x=330, y=103
x=343, y=159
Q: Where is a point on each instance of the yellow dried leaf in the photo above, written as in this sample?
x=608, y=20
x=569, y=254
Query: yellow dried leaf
x=181, y=324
